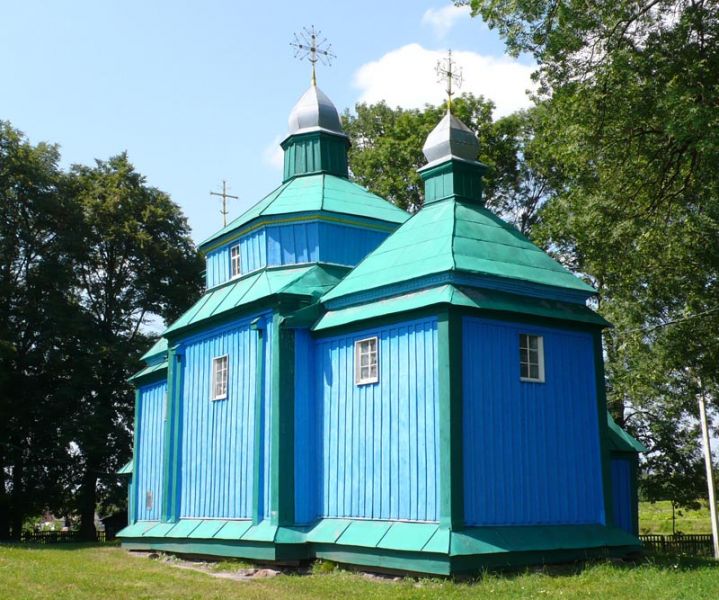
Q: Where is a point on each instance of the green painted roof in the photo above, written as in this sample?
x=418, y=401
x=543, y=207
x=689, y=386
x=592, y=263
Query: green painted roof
x=312, y=280
x=461, y=296
x=126, y=469
x=620, y=440
x=313, y=193
x=159, y=347
x=459, y=237
x=154, y=368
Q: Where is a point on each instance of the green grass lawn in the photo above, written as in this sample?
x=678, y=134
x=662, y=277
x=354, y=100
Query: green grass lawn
x=657, y=518
x=79, y=571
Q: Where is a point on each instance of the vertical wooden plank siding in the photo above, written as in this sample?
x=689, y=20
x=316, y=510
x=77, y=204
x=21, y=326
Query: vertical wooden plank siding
x=307, y=431
x=148, y=451
x=622, y=497
x=292, y=244
x=531, y=450
x=379, y=442
x=343, y=245
x=217, y=266
x=252, y=257
x=218, y=436
x=252, y=251
x=296, y=243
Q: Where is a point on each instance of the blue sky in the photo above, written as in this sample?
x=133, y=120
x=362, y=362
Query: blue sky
x=197, y=92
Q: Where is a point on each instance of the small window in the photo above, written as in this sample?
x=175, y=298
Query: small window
x=366, y=369
x=235, y=261
x=219, y=378
x=531, y=357
x=149, y=500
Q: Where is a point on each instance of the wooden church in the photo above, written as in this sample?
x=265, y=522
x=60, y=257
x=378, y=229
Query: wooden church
x=418, y=393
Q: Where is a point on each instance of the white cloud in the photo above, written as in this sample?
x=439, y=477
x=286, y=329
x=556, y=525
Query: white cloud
x=406, y=77
x=443, y=19
x=273, y=155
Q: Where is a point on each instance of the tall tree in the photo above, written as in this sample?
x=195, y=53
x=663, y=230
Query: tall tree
x=37, y=333
x=631, y=90
x=387, y=145
x=137, y=262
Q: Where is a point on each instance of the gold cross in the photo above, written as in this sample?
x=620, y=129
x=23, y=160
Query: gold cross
x=225, y=196
x=448, y=71
x=309, y=45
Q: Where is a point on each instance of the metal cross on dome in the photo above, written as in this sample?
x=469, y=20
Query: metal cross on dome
x=310, y=45
x=448, y=72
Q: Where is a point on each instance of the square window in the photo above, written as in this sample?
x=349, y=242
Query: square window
x=235, y=261
x=366, y=365
x=531, y=357
x=219, y=378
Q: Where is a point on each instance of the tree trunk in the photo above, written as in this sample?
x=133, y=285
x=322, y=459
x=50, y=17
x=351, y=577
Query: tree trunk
x=86, y=505
x=4, y=505
x=17, y=504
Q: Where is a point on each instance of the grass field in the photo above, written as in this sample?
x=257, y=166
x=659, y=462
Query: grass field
x=657, y=518
x=78, y=572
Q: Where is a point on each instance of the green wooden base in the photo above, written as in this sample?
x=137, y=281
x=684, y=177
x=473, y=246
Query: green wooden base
x=424, y=548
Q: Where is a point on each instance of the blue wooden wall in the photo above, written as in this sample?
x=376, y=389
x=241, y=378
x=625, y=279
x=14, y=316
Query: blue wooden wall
x=296, y=243
x=531, y=450
x=218, y=436
x=307, y=431
x=148, y=450
x=380, y=442
x=622, y=497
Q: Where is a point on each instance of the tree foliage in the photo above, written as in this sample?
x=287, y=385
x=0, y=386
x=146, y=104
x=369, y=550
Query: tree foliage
x=89, y=257
x=631, y=92
x=387, y=145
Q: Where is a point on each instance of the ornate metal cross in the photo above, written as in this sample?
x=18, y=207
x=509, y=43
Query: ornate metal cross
x=224, y=196
x=310, y=45
x=448, y=72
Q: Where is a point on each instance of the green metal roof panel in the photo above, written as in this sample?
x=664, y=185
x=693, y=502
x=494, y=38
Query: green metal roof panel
x=159, y=530
x=364, y=533
x=183, y=528
x=461, y=296
x=264, y=531
x=207, y=529
x=439, y=542
x=540, y=307
x=156, y=368
x=136, y=529
x=159, y=347
x=308, y=280
x=233, y=530
x=313, y=193
x=411, y=537
x=620, y=440
x=327, y=531
x=126, y=469
x=492, y=540
x=454, y=236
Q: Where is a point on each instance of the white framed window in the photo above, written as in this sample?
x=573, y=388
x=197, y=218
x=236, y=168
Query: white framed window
x=531, y=357
x=366, y=363
x=219, y=378
x=235, y=261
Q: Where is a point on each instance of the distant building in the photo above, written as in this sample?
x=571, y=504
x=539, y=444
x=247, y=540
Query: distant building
x=419, y=393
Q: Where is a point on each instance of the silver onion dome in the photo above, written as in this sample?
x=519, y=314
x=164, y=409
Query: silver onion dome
x=314, y=112
x=451, y=139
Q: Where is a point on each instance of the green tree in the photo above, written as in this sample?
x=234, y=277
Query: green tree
x=38, y=337
x=136, y=262
x=387, y=145
x=630, y=92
